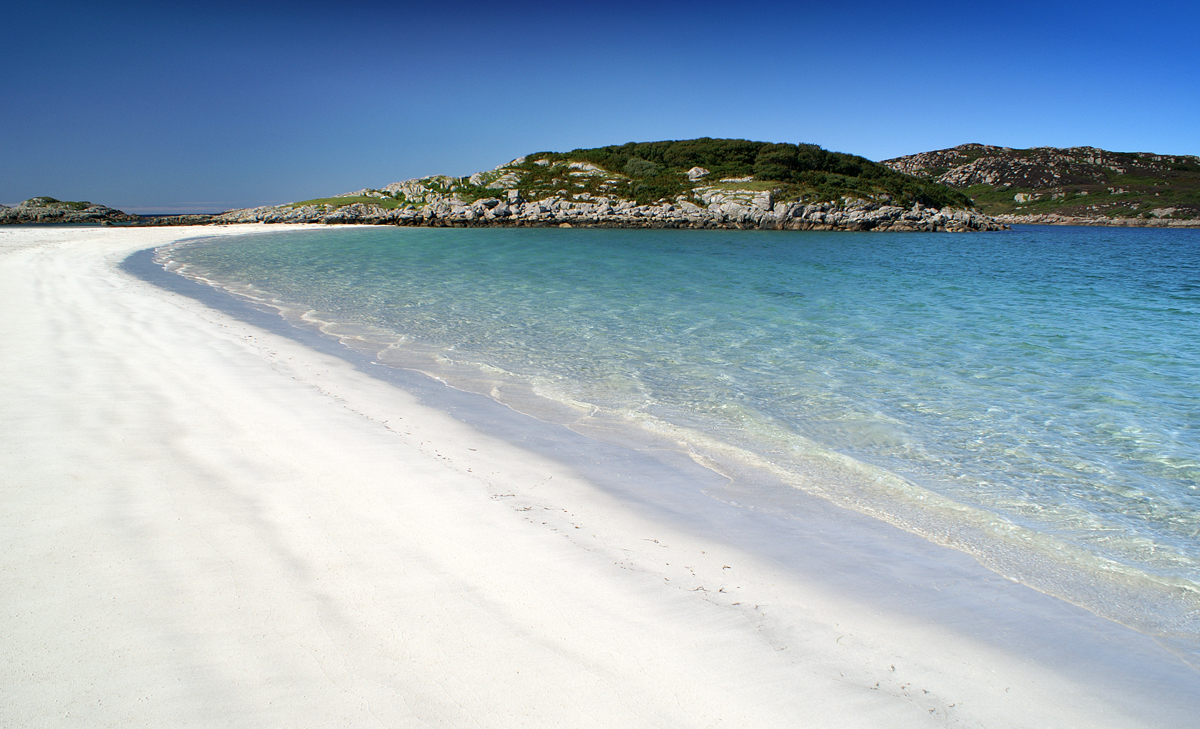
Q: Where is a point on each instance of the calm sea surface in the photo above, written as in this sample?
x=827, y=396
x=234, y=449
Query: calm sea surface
x=1031, y=397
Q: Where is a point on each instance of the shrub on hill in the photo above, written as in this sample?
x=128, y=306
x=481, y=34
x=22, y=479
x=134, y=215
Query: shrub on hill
x=658, y=170
x=50, y=202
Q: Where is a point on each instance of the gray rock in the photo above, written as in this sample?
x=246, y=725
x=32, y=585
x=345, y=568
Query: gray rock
x=428, y=203
x=49, y=210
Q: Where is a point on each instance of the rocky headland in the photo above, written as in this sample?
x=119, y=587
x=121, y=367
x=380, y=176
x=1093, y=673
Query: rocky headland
x=733, y=209
x=50, y=210
x=701, y=183
x=729, y=209
x=1071, y=186
x=1056, y=219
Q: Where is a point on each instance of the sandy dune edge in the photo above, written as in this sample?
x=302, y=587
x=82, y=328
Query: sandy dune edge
x=204, y=523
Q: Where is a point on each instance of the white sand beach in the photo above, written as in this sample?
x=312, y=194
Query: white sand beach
x=207, y=524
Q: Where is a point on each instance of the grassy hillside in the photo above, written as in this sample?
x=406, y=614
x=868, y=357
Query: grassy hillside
x=50, y=202
x=652, y=171
x=1077, y=181
x=387, y=203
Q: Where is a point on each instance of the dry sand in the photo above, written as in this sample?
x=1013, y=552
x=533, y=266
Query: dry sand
x=208, y=524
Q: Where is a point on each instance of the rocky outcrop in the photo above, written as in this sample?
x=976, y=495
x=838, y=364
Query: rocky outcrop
x=1055, y=219
x=1080, y=183
x=49, y=210
x=190, y=219
x=717, y=208
x=733, y=209
x=1038, y=168
x=552, y=189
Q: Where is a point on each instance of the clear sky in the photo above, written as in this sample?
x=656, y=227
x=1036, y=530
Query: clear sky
x=181, y=107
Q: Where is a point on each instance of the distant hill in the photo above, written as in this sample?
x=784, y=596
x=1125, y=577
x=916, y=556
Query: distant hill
x=697, y=183
x=1080, y=182
x=648, y=172
x=50, y=210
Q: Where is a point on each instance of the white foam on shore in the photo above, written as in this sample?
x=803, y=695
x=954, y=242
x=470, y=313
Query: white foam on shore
x=208, y=523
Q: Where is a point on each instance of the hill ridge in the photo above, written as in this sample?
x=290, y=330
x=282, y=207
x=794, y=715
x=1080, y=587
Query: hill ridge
x=698, y=183
x=1056, y=184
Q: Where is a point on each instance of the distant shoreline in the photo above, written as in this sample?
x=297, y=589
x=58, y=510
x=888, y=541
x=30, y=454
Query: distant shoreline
x=760, y=213
x=1055, y=219
x=747, y=211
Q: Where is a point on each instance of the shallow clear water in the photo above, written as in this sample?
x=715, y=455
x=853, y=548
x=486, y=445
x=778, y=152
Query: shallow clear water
x=1031, y=397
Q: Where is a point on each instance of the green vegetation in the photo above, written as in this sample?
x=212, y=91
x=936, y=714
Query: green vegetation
x=541, y=177
x=461, y=187
x=386, y=203
x=1080, y=181
x=49, y=202
x=652, y=171
x=1118, y=197
x=752, y=185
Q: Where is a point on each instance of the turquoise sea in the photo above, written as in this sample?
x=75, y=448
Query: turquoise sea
x=1031, y=397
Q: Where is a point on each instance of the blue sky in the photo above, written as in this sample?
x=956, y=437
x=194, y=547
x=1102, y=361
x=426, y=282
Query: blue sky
x=157, y=107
